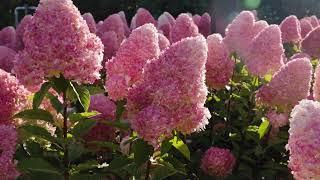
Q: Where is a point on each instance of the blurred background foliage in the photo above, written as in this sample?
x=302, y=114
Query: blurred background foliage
x=222, y=11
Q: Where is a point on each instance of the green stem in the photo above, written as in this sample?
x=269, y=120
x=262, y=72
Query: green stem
x=148, y=170
x=65, y=136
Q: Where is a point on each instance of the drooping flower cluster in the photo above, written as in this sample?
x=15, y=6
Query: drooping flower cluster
x=219, y=66
x=74, y=51
x=218, y=162
x=288, y=86
x=107, y=108
x=171, y=93
x=304, y=142
x=290, y=29
x=8, y=142
x=13, y=97
x=126, y=67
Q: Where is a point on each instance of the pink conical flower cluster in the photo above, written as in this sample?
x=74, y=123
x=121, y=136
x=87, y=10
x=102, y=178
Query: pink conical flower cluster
x=290, y=29
x=6, y=58
x=165, y=23
x=8, y=142
x=304, y=142
x=107, y=108
x=183, y=27
x=13, y=97
x=8, y=37
x=90, y=22
x=288, y=86
x=306, y=27
x=74, y=51
x=218, y=162
x=204, y=23
x=311, y=43
x=276, y=119
x=219, y=66
x=20, y=31
x=157, y=105
x=126, y=67
x=142, y=17
x=265, y=52
x=316, y=85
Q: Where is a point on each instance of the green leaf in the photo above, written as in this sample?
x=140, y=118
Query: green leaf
x=117, y=124
x=75, y=117
x=81, y=94
x=75, y=151
x=108, y=145
x=38, y=96
x=163, y=171
x=60, y=84
x=166, y=145
x=35, y=114
x=263, y=128
x=119, y=162
x=55, y=102
x=82, y=127
x=181, y=146
x=141, y=151
x=37, y=165
x=92, y=164
x=37, y=131
x=95, y=90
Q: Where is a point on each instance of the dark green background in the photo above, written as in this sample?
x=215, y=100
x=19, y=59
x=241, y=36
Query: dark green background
x=271, y=10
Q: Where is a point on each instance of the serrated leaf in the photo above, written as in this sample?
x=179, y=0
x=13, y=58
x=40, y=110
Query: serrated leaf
x=142, y=151
x=82, y=127
x=181, y=146
x=75, y=117
x=38, y=96
x=119, y=162
x=37, y=165
x=35, y=114
x=38, y=132
x=163, y=171
x=81, y=94
x=55, y=102
x=60, y=84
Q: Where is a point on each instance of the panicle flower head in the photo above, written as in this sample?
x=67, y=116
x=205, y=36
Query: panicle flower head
x=219, y=66
x=218, y=162
x=90, y=22
x=316, y=85
x=8, y=37
x=205, y=25
x=165, y=23
x=13, y=97
x=8, y=144
x=173, y=87
x=126, y=67
x=6, y=58
x=111, y=44
x=306, y=27
x=113, y=23
x=107, y=108
x=300, y=55
x=196, y=19
x=276, y=119
x=125, y=23
x=142, y=17
x=51, y=50
x=304, y=142
x=239, y=33
x=163, y=42
x=311, y=43
x=290, y=29
x=314, y=21
x=288, y=86
x=183, y=27
x=265, y=52
x=20, y=31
